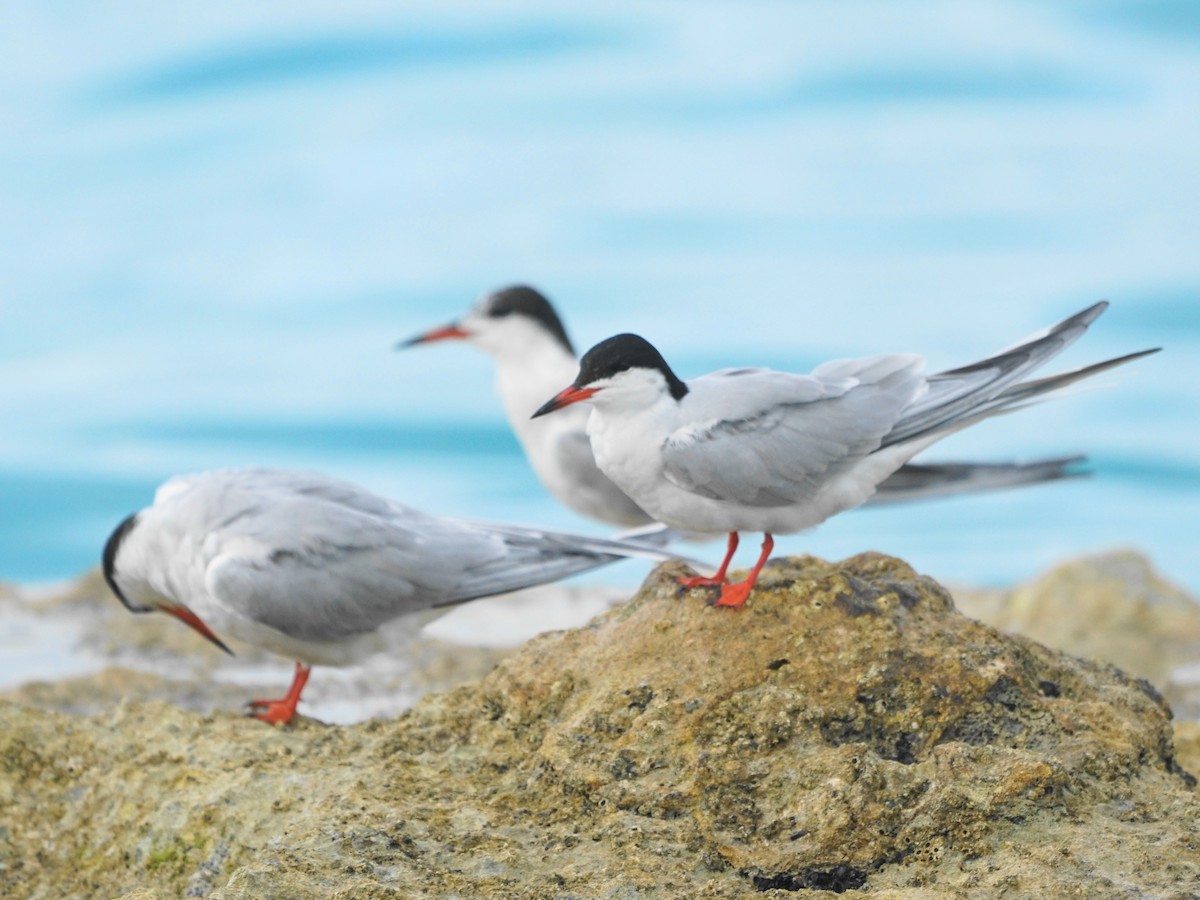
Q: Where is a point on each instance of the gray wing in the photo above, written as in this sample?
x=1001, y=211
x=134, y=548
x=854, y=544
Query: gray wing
x=797, y=432
x=318, y=559
x=318, y=570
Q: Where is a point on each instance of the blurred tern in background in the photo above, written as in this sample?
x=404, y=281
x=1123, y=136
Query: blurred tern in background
x=534, y=358
x=312, y=568
x=520, y=329
x=760, y=450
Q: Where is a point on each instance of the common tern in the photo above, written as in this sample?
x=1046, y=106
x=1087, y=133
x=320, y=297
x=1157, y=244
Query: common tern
x=774, y=452
x=520, y=329
x=523, y=332
x=311, y=568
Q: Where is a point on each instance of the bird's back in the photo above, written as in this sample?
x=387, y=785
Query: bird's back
x=765, y=438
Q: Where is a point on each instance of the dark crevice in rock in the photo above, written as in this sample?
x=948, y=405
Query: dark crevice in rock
x=860, y=599
x=839, y=879
x=980, y=729
x=640, y=697
x=899, y=746
x=1006, y=693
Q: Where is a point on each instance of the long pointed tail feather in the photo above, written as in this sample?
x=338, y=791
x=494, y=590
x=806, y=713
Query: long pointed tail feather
x=539, y=557
x=1025, y=391
x=1030, y=393
x=926, y=481
x=958, y=397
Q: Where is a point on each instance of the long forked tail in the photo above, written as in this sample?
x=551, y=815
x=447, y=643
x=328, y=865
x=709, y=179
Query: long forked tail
x=533, y=556
x=927, y=481
x=1024, y=393
x=958, y=397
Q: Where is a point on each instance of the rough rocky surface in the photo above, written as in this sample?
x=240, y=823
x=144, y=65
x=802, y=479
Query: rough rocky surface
x=848, y=730
x=1112, y=606
x=1187, y=745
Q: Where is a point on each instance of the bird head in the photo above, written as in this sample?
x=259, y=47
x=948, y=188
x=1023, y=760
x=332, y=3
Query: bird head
x=135, y=594
x=505, y=323
x=624, y=370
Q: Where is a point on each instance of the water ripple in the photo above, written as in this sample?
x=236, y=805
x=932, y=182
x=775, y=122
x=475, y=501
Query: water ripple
x=352, y=438
x=264, y=65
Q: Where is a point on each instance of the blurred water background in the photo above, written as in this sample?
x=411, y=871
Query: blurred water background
x=217, y=218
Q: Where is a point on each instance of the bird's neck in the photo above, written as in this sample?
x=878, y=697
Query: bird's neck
x=527, y=380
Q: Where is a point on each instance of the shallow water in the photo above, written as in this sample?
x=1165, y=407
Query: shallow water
x=217, y=224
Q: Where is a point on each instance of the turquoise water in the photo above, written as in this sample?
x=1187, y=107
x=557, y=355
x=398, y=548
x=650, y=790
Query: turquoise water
x=216, y=225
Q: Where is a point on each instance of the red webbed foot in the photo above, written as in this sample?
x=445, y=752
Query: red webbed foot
x=735, y=595
x=281, y=711
x=277, y=712
x=719, y=578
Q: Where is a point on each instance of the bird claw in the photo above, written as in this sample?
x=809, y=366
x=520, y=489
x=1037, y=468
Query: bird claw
x=734, y=595
x=276, y=712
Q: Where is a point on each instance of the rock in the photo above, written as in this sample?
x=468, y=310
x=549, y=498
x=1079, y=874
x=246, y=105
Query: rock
x=1114, y=607
x=105, y=689
x=847, y=729
x=1187, y=745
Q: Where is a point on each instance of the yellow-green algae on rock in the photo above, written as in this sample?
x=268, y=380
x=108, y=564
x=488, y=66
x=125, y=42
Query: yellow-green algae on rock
x=847, y=730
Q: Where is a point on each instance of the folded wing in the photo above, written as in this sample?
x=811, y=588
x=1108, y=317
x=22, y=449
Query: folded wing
x=797, y=431
x=318, y=559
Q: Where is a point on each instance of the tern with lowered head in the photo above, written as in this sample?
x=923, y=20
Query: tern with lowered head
x=312, y=568
x=774, y=452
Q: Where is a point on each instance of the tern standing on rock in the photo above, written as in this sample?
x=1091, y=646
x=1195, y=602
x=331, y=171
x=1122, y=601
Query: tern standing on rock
x=521, y=330
x=312, y=568
x=760, y=450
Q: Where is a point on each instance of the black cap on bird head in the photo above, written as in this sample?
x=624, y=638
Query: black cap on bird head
x=109, y=560
x=609, y=358
x=520, y=299
x=111, y=546
x=621, y=353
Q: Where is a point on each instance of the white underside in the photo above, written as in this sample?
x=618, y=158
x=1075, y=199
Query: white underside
x=399, y=632
x=556, y=446
x=682, y=509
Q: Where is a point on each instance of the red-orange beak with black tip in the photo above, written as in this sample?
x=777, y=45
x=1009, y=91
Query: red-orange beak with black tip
x=445, y=333
x=565, y=397
x=189, y=618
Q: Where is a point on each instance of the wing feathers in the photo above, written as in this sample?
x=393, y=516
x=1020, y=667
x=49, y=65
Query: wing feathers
x=321, y=560
x=797, y=432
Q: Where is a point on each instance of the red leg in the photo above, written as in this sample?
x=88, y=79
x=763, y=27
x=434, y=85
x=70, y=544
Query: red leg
x=719, y=578
x=736, y=594
x=280, y=712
